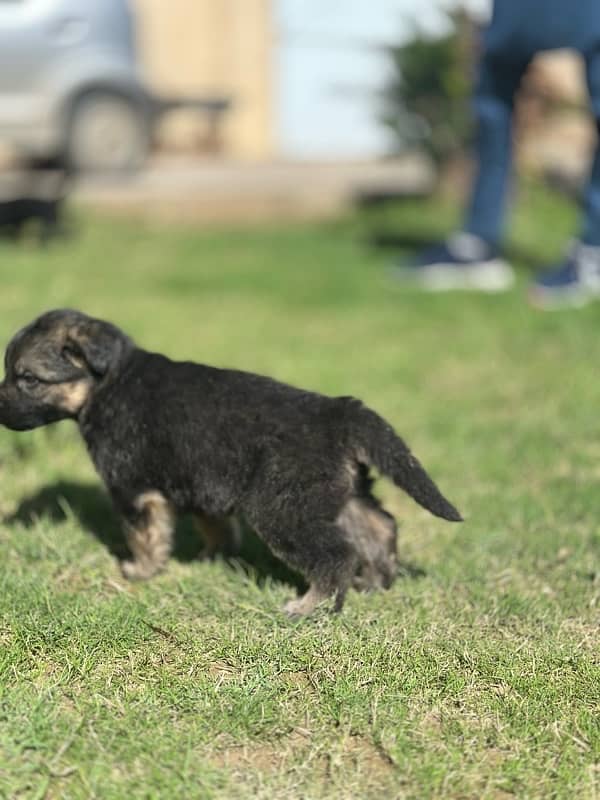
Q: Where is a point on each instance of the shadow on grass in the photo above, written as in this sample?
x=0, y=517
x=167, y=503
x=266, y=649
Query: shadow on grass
x=93, y=511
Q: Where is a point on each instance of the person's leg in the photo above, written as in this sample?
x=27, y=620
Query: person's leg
x=576, y=280
x=590, y=232
x=470, y=259
x=498, y=82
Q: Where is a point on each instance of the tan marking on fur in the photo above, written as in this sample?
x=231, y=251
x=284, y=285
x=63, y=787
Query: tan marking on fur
x=220, y=534
x=58, y=333
x=350, y=470
x=70, y=396
x=380, y=527
x=306, y=604
x=73, y=358
x=59, y=330
x=150, y=538
x=373, y=535
x=33, y=358
x=361, y=455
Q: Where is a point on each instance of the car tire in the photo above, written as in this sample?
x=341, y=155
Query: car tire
x=106, y=133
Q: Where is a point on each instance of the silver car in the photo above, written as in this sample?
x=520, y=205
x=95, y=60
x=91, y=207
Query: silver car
x=69, y=83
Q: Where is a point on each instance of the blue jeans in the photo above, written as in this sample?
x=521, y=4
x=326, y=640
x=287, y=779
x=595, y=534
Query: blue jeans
x=518, y=30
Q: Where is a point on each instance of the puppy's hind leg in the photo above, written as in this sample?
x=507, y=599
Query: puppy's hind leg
x=327, y=561
x=372, y=531
x=149, y=528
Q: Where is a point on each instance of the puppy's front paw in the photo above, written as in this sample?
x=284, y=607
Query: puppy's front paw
x=294, y=608
x=135, y=571
x=302, y=606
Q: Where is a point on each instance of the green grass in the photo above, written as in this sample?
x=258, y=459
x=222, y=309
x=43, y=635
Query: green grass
x=476, y=676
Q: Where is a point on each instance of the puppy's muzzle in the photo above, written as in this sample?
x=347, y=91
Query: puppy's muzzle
x=22, y=414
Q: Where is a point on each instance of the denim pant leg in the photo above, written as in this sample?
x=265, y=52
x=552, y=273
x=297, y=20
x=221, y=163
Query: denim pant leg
x=498, y=82
x=590, y=228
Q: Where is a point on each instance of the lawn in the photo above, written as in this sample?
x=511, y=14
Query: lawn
x=476, y=676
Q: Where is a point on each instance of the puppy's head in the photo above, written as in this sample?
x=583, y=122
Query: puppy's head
x=53, y=366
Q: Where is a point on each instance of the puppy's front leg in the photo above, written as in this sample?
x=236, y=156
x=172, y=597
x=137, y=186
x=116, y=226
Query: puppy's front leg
x=149, y=524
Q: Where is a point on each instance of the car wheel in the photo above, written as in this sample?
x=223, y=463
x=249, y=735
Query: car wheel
x=106, y=133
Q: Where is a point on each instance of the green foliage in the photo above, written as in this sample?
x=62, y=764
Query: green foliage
x=427, y=99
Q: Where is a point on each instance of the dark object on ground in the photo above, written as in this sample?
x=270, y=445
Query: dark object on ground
x=170, y=437
x=33, y=198
x=379, y=198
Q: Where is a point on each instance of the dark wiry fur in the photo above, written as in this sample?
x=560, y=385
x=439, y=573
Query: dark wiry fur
x=170, y=437
x=38, y=200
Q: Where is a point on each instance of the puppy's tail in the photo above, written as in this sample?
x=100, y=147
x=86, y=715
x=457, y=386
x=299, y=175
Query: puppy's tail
x=377, y=444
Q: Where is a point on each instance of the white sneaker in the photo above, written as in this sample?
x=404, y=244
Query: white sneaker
x=462, y=262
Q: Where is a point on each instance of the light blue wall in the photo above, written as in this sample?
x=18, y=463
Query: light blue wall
x=331, y=65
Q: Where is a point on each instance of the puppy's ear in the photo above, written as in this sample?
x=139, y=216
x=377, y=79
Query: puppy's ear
x=97, y=344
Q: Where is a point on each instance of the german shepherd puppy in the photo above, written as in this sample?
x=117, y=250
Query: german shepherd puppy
x=169, y=437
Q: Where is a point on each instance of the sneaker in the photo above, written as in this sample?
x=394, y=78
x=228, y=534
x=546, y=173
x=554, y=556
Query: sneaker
x=463, y=261
x=571, y=284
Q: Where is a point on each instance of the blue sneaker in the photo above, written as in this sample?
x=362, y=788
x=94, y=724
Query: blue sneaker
x=463, y=261
x=571, y=284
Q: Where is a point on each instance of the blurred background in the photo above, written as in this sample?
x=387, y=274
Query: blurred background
x=244, y=109
x=240, y=176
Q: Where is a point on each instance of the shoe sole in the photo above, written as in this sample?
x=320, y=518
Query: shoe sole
x=489, y=276
x=545, y=300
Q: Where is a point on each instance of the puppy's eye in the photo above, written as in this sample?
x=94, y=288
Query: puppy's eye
x=28, y=380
